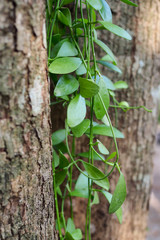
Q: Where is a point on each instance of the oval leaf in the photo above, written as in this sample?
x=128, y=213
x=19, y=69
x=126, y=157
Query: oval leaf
x=116, y=30
x=96, y=4
x=76, y=111
x=109, y=65
x=121, y=85
x=58, y=136
x=64, y=65
x=129, y=3
x=60, y=177
x=67, y=50
x=106, y=49
x=98, y=107
x=80, y=129
x=102, y=148
x=106, y=131
x=119, y=195
x=67, y=84
x=81, y=70
x=88, y=88
x=105, y=11
x=109, y=83
x=64, y=16
x=94, y=172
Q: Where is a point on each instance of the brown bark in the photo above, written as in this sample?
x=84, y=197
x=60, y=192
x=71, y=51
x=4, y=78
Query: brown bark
x=26, y=189
x=139, y=60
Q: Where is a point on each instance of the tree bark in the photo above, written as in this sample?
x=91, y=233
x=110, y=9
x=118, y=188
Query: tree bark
x=139, y=60
x=26, y=189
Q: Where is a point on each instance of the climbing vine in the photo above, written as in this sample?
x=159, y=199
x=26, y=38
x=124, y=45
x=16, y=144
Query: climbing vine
x=84, y=91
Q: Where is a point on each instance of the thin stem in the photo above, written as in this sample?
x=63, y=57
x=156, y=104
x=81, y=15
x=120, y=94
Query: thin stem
x=62, y=209
x=52, y=26
x=128, y=108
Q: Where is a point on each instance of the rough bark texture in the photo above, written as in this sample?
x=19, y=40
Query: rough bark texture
x=26, y=190
x=140, y=63
x=139, y=60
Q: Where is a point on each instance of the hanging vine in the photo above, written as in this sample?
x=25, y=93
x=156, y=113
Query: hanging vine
x=80, y=86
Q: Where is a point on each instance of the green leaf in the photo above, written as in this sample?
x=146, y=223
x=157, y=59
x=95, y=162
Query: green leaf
x=58, y=46
x=65, y=2
x=104, y=130
x=60, y=176
x=55, y=159
x=102, y=148
x=111, y=156
x=76, y=111
x=95, y=199
x=109, y=83
x=63, y=160
x=95, y=156
x=88, y=88
x=129, y=3
x=116, y=30
x=64, y=16
x=119, y=195
x=105, y=11
x=106, y=49
x=97, y=5
x=62, y=147
x=70, y=226
x=64, y=65
x=98, y=107
x=58, y=136
x=80, y=129
x=81, y=187
x=107, y=58
x=72, y=233
x=66, y=85
x=67, y=50
x=94, y=172
x=121, y=85
x=119, y=211
x=109, y=65
x=81, y=70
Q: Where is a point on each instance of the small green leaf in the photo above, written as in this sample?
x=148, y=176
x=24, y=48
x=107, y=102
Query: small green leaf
x=111, y=156
x=81, y=70
x=70, y=225
x=88, y=88
x=64, y=65
x=129, y=3
x=64, y=16
x=76, y=111
x=58, y=46
x=106, y=49
x=102, y=148
x=58, y=136
x=104, y=130
x=105, y=11
x=119, y=195
x=107, y=58
x=95, y=156
x=65, y=2
x=72, y=233
x=109, y=65
x=81, y=187
x=121, y=85
x=66, y=85
x=97, y=5
x=55, y=159
x=94, y=172
x=119, y=211
x=98, y=107
x=116, y=29
x=109, y=83
x=67, y=50
x=60, y=177
x=80, y=129
x=63, y=160
x=95, y=199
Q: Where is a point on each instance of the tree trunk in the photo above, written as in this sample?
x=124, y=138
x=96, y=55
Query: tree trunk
x=27, y=206
x=139, y=60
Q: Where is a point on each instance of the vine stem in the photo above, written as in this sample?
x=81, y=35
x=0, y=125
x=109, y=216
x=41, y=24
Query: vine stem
x=52, y=26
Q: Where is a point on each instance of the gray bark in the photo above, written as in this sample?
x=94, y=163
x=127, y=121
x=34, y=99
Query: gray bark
x=26, y=189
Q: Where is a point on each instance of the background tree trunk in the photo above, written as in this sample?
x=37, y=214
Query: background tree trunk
x=26, y=201
x=139, y=60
